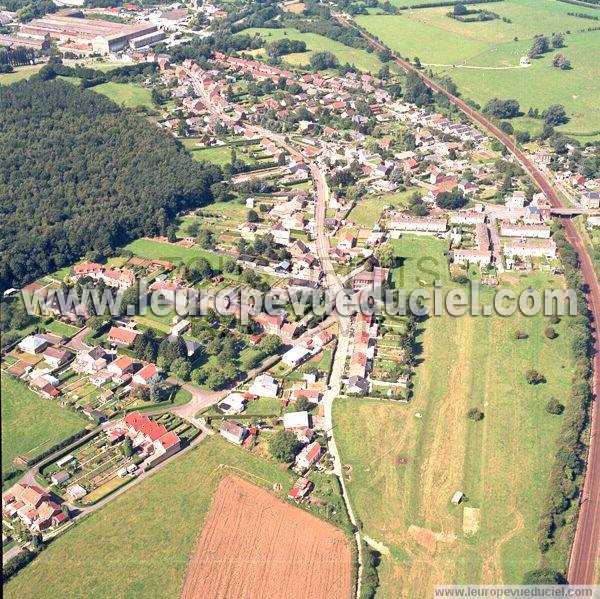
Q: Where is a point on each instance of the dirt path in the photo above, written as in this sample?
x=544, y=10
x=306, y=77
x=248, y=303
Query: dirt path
x=491, y=572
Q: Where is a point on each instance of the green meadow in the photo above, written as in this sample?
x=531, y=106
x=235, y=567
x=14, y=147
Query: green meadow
x=483, y=57
x=156, y=250
x=129, y=95
x=407, y=460
x=140, y=544
x=362, y=59
x=32, y=424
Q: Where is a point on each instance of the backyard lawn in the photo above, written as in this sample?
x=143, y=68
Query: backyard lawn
x=156, y=250
x=413, y=457
x=31, y=424
x=368, y=210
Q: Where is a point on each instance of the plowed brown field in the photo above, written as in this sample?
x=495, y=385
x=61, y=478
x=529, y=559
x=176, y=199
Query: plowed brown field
x=253, y=545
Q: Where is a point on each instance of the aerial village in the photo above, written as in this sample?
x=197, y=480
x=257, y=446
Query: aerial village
x=324, y=170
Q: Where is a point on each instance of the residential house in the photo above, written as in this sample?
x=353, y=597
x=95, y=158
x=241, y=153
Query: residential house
x=145, y=375
x=234, y=403
x=309, y=456
x=121, y=336
x=120, y=367
x=233, y=431
x=57, y=357
x=264, y=385
x=295, y=420
x=33, y=344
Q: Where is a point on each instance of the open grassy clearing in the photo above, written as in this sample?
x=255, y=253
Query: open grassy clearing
x=408, y=460
x=61, y=328
x=156, y=250
x=129, y=95
x=110, y=550
x=220, y=155
x=19, y=74
x=31, y=424
x=439, y=40
x=362, y=59
x=368, y=210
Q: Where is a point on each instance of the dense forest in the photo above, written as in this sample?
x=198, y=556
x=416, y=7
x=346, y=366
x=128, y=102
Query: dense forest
x=79, y=175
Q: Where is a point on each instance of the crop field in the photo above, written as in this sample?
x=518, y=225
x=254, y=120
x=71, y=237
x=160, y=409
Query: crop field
x=125, y=94
x=302, y=554
x=483, y=57
x=362, y=59
x=110, y=549
x=405, y=461
x=31, y=424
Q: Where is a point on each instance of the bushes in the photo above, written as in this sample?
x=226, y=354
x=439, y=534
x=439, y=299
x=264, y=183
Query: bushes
x=554, y=407
x=17, y=563
x=370, y=578
x=534, y=377
x=566, y=478
x=475, y=414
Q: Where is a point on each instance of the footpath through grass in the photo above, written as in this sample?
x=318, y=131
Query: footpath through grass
x=407, y=460
x=31, y=424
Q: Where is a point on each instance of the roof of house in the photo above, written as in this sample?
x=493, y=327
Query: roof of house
x=233, y=428
x=295, y=420
x=120, y=335
x=147, y=372
x=311, y=452
x=122, y=363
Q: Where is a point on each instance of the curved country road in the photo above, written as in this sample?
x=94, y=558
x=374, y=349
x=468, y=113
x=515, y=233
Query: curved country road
x=584, y=554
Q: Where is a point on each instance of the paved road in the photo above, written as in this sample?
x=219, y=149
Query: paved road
x=584, y=555
x=334, y=284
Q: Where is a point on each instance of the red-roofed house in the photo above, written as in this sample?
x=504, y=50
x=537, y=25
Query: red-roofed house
x=308, y=456
x=124, y=337
x=143, y=376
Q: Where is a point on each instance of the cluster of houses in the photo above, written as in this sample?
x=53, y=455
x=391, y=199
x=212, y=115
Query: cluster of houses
x=298, y=423
x=43, y=360
x=151, y=440
x=34, y=507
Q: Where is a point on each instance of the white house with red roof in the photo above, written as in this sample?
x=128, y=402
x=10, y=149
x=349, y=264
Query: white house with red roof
x=152, y=438
x=309, y=456
x=145, y=375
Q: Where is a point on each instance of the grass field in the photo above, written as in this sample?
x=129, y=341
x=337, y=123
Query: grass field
x=362, y=59
x=494, y=47
x=30, y=424
x=60, y=328
x=19, y=73
x=408, y=460
x=111, y=549
x=367, y=212
x=155, y=250
x=125, y=94
x=220, y=155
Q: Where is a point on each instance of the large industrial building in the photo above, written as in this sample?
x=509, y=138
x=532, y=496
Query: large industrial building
x=89, y=36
